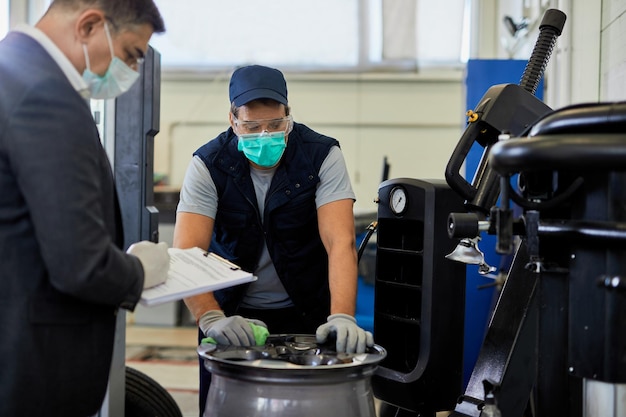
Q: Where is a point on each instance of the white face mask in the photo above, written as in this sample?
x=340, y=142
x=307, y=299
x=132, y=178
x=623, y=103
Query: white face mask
x=118, y=78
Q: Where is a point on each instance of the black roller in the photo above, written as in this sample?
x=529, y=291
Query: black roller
x=462, y=225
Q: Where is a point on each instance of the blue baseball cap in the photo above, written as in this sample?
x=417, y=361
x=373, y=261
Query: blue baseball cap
x=256, y=81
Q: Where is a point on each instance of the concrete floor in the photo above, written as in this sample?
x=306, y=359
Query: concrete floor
x=167, y=355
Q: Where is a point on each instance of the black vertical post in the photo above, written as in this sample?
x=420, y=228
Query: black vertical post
x=137, y=119
x=136, y=122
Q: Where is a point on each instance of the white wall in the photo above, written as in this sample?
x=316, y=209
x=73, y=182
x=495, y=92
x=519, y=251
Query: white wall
x=415, y=120
x=613, y=51
x=589, y=61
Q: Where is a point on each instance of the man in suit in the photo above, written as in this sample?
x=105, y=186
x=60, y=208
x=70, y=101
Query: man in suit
x=63, y=272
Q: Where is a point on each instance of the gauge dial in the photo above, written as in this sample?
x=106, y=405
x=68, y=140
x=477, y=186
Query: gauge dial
x=397, y=200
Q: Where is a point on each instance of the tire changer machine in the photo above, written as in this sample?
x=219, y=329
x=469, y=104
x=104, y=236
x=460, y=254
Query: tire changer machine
x=556, y=340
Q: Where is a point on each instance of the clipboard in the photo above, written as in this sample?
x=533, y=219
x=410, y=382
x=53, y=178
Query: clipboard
x=194, y=271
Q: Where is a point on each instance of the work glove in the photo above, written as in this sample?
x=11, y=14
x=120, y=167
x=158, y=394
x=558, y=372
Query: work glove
x=154, y=259
x=233, y=330
x=350, y=338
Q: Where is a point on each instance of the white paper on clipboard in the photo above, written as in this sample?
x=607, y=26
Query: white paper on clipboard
x=194, y=271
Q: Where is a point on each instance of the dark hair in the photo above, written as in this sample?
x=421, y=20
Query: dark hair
x=122, y=13
x=267, y=101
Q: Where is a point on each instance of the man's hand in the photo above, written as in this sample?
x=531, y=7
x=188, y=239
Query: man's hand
x=154, y=259
x=350, y=338
x=233, y=330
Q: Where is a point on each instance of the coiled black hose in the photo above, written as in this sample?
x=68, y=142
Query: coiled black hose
x=549, y=30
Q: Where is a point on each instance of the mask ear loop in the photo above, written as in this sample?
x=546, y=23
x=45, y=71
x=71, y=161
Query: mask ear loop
x=108, y=34
x=86, y=56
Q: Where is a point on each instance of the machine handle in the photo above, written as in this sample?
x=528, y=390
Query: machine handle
x=457, y=159
x=483, y=191
x=571, y=153
x=583, y=118
x=583, y=137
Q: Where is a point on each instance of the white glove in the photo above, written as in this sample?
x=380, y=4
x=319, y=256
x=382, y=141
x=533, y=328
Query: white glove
x=233, y=330
x=350, y=338
x=154, y=259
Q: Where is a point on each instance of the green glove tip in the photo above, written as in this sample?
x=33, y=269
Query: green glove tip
x=208, y=340
x=260, y=335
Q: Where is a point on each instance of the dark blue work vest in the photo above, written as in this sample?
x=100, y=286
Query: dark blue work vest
x=289, y=224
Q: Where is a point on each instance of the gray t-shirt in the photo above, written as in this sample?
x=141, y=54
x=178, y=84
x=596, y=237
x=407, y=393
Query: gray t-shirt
x=198, y=195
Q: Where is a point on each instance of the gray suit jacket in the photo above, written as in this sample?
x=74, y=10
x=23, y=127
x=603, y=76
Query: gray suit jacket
x=63, y=274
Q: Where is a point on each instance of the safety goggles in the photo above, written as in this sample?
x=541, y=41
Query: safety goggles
x=245, y=127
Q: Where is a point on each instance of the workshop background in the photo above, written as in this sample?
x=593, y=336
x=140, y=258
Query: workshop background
x=394, y=91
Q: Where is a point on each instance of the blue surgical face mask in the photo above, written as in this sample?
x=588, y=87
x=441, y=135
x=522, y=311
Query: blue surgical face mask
x=118, y=78
x=264, y=149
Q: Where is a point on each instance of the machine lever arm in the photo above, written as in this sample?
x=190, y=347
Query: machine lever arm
x=504, y=108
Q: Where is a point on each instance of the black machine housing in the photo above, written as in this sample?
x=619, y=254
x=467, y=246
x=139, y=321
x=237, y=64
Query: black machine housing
x=419, y=298
x=560, y=319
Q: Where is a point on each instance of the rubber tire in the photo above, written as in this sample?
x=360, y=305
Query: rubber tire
x=146, y=398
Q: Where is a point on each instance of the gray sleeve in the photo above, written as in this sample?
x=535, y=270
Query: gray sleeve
x=198, y=194
x=334, y=179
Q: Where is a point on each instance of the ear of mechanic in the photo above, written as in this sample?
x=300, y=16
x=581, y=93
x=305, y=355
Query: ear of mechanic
x=274, y=197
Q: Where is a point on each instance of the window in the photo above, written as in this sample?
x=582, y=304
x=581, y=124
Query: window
x=351, y=35
x=4, y=18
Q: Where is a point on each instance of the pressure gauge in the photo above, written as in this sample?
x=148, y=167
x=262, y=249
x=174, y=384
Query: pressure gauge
x=397, y=200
